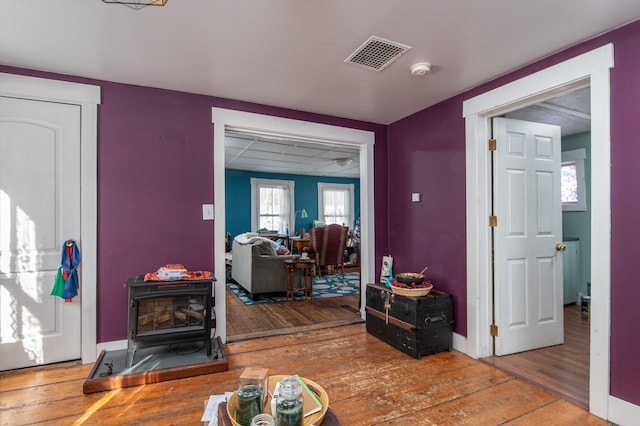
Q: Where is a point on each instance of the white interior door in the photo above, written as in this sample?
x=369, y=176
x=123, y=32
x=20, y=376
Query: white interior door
x=39, y=210
x=528, y=267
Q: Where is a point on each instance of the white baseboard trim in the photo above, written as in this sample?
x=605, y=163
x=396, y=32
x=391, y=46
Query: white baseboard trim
x=622, y=412
x=460, y=343
x=115, y=345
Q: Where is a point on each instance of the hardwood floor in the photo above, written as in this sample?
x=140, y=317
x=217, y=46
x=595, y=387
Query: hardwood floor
x=561, y=369
x=368, y=383
x=246, y=322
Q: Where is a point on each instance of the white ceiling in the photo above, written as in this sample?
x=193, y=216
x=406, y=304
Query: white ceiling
x=290, y=53
x=260, y=154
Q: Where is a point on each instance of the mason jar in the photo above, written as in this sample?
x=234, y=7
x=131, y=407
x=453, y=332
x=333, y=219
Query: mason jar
x=289, y=404
x=263, y=420
x=249, y=403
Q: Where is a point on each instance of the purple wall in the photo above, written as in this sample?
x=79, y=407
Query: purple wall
x=625, y=211
x=426, y=154
x=155, y=170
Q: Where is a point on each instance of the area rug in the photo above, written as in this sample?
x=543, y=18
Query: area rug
x=333, y=285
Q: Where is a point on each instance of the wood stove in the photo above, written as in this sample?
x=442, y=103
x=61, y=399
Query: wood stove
x=168, y=312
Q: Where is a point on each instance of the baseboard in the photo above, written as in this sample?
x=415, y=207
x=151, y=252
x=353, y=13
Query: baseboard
x=114, y=345
x=460, y=343
x=622, y=412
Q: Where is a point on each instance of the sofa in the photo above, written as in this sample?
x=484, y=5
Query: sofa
x=257, y=267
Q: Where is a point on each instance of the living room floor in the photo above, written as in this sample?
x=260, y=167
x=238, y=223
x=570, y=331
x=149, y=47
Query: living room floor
x=368, y=382
x=252, y=321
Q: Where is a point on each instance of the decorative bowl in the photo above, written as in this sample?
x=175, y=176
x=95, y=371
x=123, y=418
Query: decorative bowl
x=410, y=278
x=411, y=291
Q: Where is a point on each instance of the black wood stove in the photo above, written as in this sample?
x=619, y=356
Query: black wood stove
x=168, y=312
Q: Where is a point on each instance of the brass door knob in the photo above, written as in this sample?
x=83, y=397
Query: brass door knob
x=560, y=247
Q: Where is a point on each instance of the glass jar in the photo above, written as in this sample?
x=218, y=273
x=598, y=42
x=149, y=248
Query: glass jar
x=263, y=420
x=249, y=403
x=289, y=404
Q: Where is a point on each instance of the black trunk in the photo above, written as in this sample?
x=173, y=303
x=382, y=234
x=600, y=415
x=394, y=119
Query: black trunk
x=415, y=325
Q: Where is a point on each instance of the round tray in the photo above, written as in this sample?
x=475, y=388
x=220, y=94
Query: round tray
x=411, y=292
x=313, y=419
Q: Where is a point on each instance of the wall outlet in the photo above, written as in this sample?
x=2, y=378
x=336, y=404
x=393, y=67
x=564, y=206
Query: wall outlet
x=207, y=212
x=415, y=197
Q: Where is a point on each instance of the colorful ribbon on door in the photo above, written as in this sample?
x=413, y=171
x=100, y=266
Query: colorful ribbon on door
x=67, y=283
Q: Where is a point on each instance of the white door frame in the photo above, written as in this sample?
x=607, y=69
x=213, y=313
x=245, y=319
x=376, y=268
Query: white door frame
x=224, y=119
x=591, y=68
x=88, y=98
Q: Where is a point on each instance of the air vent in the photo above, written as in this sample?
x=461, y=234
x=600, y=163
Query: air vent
x=377, y=53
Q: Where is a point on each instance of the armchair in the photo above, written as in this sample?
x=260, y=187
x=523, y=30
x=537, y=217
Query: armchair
x=327, y=245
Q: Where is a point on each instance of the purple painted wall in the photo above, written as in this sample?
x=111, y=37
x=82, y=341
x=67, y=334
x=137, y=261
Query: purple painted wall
x=426, y=155
x=155, y=170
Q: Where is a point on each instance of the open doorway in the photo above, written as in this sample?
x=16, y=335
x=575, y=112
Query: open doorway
x=591, y=68
x=286, y=176
x=564, y=368
x=226, y=120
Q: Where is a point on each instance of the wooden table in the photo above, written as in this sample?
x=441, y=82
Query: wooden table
x=307, y=266
x=299, y=243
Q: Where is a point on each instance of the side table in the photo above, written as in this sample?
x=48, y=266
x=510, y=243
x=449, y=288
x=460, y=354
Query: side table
x=299, y=243
x=307, y=266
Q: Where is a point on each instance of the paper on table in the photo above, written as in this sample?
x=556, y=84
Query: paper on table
x=211, y=409
x=311, y=403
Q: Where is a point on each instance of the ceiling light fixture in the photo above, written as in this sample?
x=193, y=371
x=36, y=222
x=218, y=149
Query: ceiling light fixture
x=343, y=162
x=420, y=68
x=138, y=4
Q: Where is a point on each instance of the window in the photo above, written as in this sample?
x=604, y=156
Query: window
x=271, y=202
x=335, y=203
x=574, y=195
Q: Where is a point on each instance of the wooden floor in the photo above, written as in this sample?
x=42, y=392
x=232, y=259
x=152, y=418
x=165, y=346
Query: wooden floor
x=246, y=322
x=368, y=383
x=562, y=369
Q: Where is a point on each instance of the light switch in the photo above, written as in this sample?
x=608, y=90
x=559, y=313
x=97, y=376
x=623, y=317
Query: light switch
x=415, y=197
x=207, y=212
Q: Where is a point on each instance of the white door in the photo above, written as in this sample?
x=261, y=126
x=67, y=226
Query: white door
x=528, y=267
x=39, y=210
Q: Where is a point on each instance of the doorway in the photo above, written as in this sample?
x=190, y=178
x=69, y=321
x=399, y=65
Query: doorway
x=563, y=369
x=225, y=120
x=298, y=168
x=591, y=68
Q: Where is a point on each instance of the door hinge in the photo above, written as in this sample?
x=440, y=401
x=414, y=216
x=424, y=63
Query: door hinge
x=493, y=221
x=492, y=144
x=494, y=330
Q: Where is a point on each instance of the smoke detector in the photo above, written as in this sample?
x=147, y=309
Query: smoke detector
x=377, y=53
x=420, y=68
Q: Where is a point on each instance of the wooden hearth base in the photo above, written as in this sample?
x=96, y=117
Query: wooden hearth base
x=181, y=366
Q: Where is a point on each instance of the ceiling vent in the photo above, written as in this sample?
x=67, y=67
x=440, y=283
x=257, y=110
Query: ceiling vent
x=377, y=53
